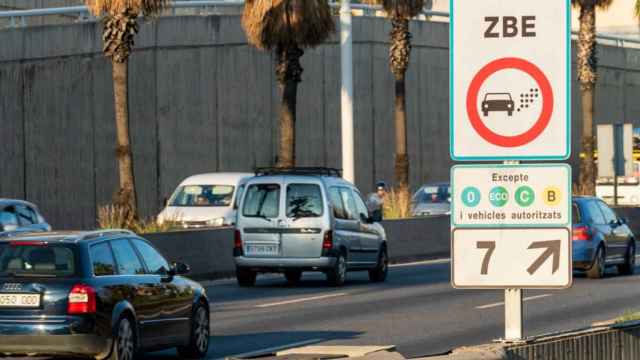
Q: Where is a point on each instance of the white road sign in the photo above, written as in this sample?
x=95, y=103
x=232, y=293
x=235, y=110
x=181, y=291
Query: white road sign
x=510, y=80
x=511, y=258
x=511, y=195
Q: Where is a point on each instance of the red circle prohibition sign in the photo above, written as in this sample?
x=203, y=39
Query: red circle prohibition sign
x=547, y=102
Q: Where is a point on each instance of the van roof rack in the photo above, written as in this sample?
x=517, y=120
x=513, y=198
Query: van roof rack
x=321, y=171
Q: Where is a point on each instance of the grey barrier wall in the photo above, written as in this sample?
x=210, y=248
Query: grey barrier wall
x=612, y=343
x=203, y=100
x=209, y=252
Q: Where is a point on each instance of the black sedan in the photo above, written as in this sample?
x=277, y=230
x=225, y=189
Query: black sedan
x=96, y=294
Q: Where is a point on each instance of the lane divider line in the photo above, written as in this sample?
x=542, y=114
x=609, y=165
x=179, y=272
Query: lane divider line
x=295, y=301
x=489, y=306
x=270, y=350
x=425, y=262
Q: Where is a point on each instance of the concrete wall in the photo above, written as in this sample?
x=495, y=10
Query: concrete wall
x=203, y=100
x=210, y=252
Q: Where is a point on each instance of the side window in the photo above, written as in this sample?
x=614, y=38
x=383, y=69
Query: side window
x=156, y=264
x=102, y=258
x=239, y=193
x=8, y=218
x=128, y=261
x=363, y=213
x=609, y=215
x=592, y=213
x=304, y=200
x=26, y=216
x=262, y=200
x=336, y=202
x=349, y=203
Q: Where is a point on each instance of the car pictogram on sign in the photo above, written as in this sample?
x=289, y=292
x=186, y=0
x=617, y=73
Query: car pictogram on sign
x=497, y=102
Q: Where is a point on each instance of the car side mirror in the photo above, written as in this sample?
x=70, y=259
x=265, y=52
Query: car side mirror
x=180, y=268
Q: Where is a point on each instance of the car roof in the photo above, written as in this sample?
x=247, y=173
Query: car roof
x=5, y=202
x=68, y=236
x=229, y=178
x=329, y=180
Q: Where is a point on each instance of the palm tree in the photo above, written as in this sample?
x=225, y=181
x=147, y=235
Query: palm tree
x=400, y=12
x=286, y=27
x=120, y=28
x=587, y=75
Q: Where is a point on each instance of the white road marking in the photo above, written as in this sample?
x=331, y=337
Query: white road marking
x=271, y=349
x=426, y=262
x=489, y=306
x=295, y=301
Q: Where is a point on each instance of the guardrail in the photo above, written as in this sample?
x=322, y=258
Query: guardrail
x=17, y=18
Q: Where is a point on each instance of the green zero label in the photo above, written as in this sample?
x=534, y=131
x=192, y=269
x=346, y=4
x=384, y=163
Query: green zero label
x=471, y=196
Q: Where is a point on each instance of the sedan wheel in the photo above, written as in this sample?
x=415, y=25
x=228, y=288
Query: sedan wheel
x=199, y=341
x=598, y=267
x=124, y=346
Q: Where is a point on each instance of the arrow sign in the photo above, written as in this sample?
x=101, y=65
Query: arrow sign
x=553, y=248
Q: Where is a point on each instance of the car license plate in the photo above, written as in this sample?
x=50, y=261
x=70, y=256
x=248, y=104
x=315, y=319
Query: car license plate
x=20, y=300
x=262, y=250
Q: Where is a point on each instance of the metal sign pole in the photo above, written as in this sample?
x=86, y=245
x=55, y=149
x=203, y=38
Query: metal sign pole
x=513, y=314
x=512, y=305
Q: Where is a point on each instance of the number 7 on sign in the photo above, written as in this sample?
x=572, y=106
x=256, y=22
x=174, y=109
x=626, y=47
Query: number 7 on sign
x=491, y=247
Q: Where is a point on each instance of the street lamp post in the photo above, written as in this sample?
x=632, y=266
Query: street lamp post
x=346, y=93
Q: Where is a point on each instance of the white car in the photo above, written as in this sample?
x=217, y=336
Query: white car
x=205, y=200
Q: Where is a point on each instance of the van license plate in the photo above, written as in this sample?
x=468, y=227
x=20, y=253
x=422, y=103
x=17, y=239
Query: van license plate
x=262, y=250
x=20, y=300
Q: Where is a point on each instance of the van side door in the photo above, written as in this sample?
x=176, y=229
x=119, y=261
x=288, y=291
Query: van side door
x=370, y=239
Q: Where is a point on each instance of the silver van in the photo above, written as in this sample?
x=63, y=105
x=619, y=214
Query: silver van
x=306, y=219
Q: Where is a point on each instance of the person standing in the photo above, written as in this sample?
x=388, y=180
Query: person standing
x=376, y=200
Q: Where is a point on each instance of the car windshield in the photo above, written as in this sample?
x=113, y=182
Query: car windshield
x=203, y=195
x=35, y=259
x=491, y=97
x=433, y=194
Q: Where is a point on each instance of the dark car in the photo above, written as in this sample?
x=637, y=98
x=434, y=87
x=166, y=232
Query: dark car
x=497, y=102
x=601, y=239
x=20, y=216
x=96, y=294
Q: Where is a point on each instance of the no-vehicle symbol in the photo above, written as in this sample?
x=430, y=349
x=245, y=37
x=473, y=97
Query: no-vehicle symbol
x=503, y=102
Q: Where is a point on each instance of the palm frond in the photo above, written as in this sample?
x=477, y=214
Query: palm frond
x=145, y=7
x=270, y=23
x=637, y=9
x=602, y=4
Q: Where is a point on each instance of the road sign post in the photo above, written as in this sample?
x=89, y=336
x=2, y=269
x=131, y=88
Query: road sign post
x=510, y=99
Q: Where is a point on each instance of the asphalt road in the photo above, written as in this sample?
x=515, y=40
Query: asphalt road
x=416, y=309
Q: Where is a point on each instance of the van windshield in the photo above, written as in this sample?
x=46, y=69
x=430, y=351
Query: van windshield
x=262, y=200
x=33, y=259
x=203, y=195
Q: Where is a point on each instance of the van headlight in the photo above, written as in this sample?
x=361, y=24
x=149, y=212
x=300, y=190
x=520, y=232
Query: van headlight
x=215, y=222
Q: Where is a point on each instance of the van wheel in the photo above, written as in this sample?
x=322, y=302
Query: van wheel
x=379, y=274
x=199, y=339
x=293, y=276
x=597, y=269
x=124, y=342
x=629, y=266
x=246, y=277
x=338, y=274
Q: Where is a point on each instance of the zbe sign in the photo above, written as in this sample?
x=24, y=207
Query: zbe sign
x=510, y=80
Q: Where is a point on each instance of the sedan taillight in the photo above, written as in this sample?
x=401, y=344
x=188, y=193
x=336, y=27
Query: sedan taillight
x=581, y=233
x=82, y=300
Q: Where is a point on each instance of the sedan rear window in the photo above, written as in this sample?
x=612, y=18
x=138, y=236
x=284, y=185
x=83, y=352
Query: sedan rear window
x=32, y=259
x=262, y=200
x=304, y=200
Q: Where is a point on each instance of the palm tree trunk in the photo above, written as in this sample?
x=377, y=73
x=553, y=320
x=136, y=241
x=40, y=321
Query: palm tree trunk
x=399, y=61
x=587, y=65
x=288, y=73
x=126, y=194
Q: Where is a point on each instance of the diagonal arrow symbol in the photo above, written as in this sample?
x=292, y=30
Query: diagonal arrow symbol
x=553, y=249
